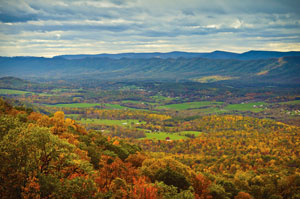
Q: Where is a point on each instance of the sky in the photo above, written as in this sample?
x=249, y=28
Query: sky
x=55, y=27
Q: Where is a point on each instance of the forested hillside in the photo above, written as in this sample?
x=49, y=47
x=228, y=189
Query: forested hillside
x=234, y=157
x=282, y=70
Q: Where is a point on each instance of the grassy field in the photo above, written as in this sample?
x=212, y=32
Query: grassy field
x=74, y=105
x=47, y=94
x=189, y=105
x=138, y=102
x=291, y=102
x=132, y=101
x=73, y=116
x=212, y=110
x=110, y=122
x=213, y=78
x=254, y=107
x=172, y=136
x=163, y=135
x=13, y=92
x=86, y=105
x=61, y=90
x=115, y=106
x=159, y=98
x=196, y=133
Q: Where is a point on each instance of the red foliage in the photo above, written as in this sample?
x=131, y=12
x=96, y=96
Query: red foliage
x=142, y=189
x=243, y=195
x=201, y=184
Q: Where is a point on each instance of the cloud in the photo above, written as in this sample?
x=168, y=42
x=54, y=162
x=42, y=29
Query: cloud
x=16, y=11
x=47, y=28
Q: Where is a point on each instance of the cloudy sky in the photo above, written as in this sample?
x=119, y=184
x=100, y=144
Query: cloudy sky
x=53, y=27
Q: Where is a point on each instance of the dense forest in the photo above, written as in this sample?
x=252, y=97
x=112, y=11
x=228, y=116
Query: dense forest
x=234, y=156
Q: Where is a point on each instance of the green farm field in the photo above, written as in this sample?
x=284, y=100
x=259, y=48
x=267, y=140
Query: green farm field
x=190, y=105
x=294, y=102
x=138, y=102
x=110, y=122
x=13, y=92
x=159, y=98
x=254, y=107
x=115, y=106
x=74, y=105
x=163, y=135
x=196, y=133
x=86, y=105
x=172, y=136
x=72, y=116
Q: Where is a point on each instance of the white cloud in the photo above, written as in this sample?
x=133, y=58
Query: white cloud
x=38, y=27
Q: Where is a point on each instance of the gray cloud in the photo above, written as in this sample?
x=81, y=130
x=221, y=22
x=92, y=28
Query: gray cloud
x=47, y=28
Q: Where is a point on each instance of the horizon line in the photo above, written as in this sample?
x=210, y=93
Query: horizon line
x=152, y=52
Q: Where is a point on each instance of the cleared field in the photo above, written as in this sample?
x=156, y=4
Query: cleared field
x=212, y=110
x=159, y=98
x=86, y=105
x=47, y=94
x=115, y=106
x=75, y=116
x=254, y=107
x=60, y=90
x=172, y=136
x=138, y=102
x=163, y=135
x=196, y=133
x=291, y=102
x=214, y=78
x=13, y=92
x=189, y=105
x=110, y=122
x=74, y=105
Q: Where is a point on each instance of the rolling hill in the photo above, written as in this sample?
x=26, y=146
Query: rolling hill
x=13, y=82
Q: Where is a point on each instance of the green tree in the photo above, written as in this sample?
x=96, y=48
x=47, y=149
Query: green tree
x=218, y=192
x=170, y=177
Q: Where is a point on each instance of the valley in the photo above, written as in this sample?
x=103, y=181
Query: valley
x=149, y=99
x=209, y=137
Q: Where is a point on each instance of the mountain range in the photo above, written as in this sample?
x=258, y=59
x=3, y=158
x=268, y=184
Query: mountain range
x=250, y=55
x=280, y=69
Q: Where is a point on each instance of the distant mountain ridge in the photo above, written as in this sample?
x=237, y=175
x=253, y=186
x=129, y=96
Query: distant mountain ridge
x=250, y=55
x=284, y=70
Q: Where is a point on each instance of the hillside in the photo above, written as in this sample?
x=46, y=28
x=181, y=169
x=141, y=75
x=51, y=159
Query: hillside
x=276, y=70
x=13, y=82
x=233, y=157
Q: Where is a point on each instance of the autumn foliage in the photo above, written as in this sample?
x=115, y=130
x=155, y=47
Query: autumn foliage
x=235, y=157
